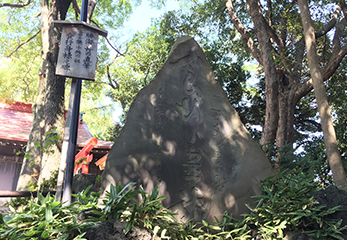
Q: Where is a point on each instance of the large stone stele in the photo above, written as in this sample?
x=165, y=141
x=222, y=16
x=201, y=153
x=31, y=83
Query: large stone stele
x=182, y=134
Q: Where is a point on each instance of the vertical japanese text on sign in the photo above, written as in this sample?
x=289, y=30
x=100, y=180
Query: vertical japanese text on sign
x=78, y=49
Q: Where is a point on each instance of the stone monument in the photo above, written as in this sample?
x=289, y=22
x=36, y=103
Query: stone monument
x=182, y=134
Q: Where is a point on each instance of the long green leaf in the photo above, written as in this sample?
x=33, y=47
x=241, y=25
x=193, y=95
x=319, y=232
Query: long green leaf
x=48, y=214
x=45, y=234
x=32, y=233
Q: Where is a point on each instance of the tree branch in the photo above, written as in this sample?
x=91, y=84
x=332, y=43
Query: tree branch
x=325, y=29
x=97, y=108
x=310, y=121
x=91, y=7
x=246, y=37
x=76, y=8
x=108, y=41
x=334, y=63
x=269, y=6
x=327, y=72
x=338, y=53
x=279, y=42
x=15, y=5
x=344, y=8
x=111, y=80
x=303, y=90
x=340, y=28
x=298, y=58
x=145, y=79
x=25, y=42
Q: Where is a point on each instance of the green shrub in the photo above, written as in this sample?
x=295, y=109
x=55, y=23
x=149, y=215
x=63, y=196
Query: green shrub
x=286, y=205
x=44, y=218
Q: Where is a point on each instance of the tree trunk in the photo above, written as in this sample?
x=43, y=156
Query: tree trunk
x=284, y=134
x=271, y=74
x=50, y=113
x=55, y=87
x=30, y=170
x=282, y=96
x=330, y=142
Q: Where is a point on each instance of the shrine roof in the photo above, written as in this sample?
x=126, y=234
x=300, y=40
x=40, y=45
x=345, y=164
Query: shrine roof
x=16, y=119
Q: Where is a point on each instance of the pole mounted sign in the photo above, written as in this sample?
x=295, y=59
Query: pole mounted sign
x=76, y=59
x=78, y=48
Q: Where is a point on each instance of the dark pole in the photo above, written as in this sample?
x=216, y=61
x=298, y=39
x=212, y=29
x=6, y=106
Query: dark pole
x=76, y=98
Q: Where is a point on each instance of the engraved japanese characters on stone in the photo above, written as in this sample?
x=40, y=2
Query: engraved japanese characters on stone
x=190, y=113
x=182, y=134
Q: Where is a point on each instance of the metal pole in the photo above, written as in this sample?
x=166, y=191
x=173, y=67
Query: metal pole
x=70, y=160
x=60, y=183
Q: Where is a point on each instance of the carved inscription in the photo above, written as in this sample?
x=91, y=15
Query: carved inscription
x=193, y=200
x=158, y=109
x=157, y=103
x=190, y=112
x=88, y=50
x=79, y=45
x=194, y=203
x=77, y=53
x=219, y=178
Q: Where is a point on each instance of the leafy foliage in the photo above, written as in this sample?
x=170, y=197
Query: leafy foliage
x=286, y=205
x=44, y=218
x=117, y=201
x=149, y=212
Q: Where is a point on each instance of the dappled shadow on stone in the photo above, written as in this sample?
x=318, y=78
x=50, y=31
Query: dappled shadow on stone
x=182, y=134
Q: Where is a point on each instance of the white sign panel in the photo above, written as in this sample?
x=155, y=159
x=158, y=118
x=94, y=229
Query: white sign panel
x=78, y=52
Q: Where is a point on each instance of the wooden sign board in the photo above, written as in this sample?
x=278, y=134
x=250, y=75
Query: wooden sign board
x=78, y=49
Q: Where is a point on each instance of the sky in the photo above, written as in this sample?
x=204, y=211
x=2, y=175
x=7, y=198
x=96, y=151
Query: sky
x=139, y=21
x=142, y=15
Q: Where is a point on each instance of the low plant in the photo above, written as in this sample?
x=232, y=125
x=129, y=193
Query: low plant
x=87, y=199
x=287, y=205
x=148, y=212
x=141, y=209
x=117, y=201
x=44, y=218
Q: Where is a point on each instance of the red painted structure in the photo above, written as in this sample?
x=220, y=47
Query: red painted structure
x=15, y=125
x=83, y=158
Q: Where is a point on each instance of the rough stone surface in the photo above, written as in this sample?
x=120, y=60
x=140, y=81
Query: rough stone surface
x=82, y=181
x=110, y=230
x=332, y=197
x=182, y=134
x=296, y=236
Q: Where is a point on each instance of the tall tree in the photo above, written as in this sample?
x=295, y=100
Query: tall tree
x=339, y=175
x=49, y=105
x=48, y=108
x=274, y=38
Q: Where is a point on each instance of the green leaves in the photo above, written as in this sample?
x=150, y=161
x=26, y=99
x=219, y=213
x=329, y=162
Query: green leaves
x=149, y=210
x=85, y=199
x=117, y=201
x=285, y=205
x=45, y=218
